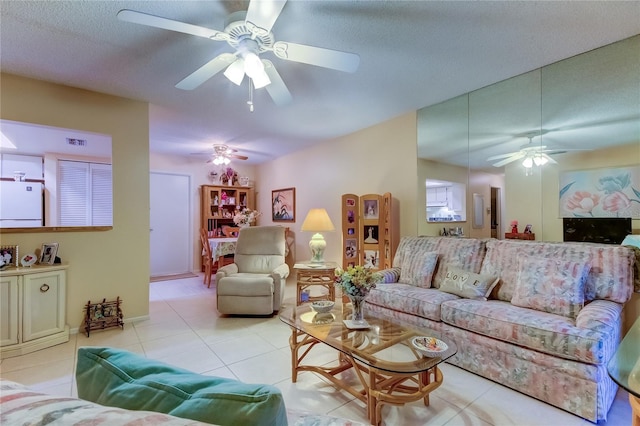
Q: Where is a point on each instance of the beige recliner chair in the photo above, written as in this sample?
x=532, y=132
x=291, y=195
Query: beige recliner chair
x=254, y=283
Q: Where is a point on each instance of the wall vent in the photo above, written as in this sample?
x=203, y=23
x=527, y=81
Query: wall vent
x=77, y=142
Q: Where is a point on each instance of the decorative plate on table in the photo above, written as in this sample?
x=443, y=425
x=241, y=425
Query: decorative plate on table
x=28, y=259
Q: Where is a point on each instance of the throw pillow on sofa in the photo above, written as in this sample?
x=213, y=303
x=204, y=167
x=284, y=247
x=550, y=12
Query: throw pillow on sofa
x=123, y=379
x=551, y=285
x=467, y=284
x=417, y=268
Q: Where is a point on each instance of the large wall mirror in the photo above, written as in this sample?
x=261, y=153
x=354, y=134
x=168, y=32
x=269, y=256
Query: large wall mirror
x=513, y=141
x=54, y=178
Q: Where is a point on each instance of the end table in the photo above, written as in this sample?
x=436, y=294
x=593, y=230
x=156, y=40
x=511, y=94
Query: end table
x=315, y=274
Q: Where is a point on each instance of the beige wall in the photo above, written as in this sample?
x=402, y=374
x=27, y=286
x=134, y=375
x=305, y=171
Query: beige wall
x=376, y=160
x=101, y=264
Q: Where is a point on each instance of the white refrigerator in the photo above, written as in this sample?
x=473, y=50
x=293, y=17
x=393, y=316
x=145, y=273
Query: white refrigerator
x=20, y=204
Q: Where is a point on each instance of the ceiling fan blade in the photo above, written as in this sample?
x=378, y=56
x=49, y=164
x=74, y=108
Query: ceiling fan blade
x=169, y=24
x=497, y=157
x=506, y=161
x=262, y=14
x=206, y=71
x=277, y=89
x=238, y=157
x=334, y=59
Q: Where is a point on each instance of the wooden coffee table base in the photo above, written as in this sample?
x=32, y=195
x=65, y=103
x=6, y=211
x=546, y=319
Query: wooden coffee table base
x=378, y=387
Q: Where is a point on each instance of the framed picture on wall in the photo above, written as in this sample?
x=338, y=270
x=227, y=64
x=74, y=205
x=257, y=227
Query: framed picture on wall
x=283, y=205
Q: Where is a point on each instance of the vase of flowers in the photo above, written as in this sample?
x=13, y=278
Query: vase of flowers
x=245, y=217
x=356, y=282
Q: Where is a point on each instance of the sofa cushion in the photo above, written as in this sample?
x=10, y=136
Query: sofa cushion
x=414, y=245
x=540, y=331
x=610, y=277
x=463, y=253
x=248, y=285
x=422, y=302
x=467, y=284
x=123, y=379
x=390, y=275
x=417, y=269
x=22, y=406
x=551, y=285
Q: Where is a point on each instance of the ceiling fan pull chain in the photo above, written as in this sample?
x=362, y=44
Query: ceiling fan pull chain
x=250, y=101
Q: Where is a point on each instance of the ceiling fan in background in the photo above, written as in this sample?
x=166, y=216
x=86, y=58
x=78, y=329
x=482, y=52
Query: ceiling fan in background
x=249, y=33
x=531, y=154
x=222, y=155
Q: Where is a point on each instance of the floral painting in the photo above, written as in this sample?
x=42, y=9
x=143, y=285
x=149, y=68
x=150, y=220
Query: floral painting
x=612, y=192
x=283, y=205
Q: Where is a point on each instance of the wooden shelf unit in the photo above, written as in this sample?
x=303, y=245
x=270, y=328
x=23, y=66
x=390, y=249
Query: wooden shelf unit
x=217, y=211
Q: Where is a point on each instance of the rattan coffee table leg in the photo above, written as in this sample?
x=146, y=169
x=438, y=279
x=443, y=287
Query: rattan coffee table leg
x=293, y=345
x=425, y=379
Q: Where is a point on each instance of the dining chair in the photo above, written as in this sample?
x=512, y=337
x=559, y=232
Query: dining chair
x=230, y=231
x=207, y=257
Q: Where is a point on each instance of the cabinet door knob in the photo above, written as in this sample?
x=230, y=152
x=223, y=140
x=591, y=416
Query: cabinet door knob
x=44, y=288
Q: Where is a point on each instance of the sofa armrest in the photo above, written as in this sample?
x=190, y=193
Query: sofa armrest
x=602, y=315
x=226, y=270
x=391, y=275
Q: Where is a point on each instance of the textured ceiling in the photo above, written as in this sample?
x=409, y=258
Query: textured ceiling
x=412, y=54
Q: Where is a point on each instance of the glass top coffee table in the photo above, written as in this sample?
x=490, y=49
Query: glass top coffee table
x=388, y=367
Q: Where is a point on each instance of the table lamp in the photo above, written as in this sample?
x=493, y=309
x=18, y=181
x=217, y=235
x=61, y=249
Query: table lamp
x=317, y=221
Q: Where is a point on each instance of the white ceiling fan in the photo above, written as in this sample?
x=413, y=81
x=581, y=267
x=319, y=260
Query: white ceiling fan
x=530, y=154
x=222, y=155
x=249, y=33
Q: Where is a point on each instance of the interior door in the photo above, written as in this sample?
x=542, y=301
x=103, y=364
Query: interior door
x=170, y=219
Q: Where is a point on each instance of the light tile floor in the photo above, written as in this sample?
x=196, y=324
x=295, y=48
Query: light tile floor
x=185, y=330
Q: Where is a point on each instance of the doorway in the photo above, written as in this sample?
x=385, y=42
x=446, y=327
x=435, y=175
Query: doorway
x=495, y=213
x=170, y=219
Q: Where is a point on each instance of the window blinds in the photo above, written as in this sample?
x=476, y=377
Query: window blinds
x=84, y=194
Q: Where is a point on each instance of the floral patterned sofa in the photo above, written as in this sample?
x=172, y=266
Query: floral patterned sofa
x=542, y=318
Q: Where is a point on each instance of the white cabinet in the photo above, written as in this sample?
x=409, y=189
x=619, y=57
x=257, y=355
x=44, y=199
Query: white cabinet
x=8, y=311
x=437, y=197
x=33, y=302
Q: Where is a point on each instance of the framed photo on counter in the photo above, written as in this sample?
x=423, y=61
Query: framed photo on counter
x=48, y=253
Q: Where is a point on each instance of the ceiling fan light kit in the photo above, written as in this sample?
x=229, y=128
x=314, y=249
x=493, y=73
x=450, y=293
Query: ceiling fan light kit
x=249, y=34
x=222, y=155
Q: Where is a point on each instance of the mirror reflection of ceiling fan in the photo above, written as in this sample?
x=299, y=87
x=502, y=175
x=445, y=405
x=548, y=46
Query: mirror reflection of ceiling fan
x=249, y=34
x=222, y=155
x=531, y=154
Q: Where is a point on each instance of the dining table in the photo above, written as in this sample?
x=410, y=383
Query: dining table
x=222, y=246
